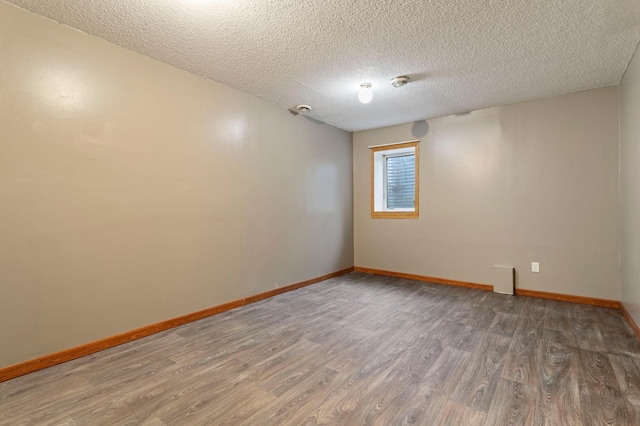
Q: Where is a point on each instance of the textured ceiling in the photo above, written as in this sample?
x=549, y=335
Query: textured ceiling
x=462, y=55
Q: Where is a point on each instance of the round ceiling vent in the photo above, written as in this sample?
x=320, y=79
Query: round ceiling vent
x=303, y=109
x=399, y=81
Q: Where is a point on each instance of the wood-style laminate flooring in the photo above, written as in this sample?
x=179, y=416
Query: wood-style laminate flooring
x=353, y=350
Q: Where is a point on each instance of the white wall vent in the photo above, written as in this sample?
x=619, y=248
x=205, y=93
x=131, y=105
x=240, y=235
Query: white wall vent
x=503, y=279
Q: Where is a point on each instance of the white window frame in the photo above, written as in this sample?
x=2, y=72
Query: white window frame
x=379, y=154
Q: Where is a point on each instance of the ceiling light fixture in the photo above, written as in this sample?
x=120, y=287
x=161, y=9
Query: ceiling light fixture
x=366, y=93
x=399, y=81
x=303, y=109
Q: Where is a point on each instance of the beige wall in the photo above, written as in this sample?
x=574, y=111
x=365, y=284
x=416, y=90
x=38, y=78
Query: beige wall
x=132, y=192
x=630, y=187
x=535, y=181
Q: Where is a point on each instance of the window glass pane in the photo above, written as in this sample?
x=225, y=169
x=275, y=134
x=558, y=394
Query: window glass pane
x=401, y=181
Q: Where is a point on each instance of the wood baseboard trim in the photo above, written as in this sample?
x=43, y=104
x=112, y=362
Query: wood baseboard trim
x=630, y=320
x=277, y=291
x=30, y=366
x=605, y=303
x=425, y=278
x=519, y=291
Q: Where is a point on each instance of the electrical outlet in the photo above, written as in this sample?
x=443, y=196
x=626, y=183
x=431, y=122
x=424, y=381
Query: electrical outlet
x=535, y=266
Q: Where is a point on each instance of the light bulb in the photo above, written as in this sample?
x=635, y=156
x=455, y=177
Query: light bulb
x=366, y=93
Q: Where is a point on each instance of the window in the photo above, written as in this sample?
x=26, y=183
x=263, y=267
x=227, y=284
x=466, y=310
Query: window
x=394, y=181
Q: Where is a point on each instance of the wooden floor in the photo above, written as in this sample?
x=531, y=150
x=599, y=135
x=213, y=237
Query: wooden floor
x=358, y=349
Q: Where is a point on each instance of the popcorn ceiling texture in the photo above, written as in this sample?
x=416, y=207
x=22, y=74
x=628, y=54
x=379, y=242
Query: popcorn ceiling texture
x=462, y=55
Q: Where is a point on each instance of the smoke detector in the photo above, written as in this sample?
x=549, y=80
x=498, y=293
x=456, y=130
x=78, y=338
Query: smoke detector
x=303, y=109
x=399, y=81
